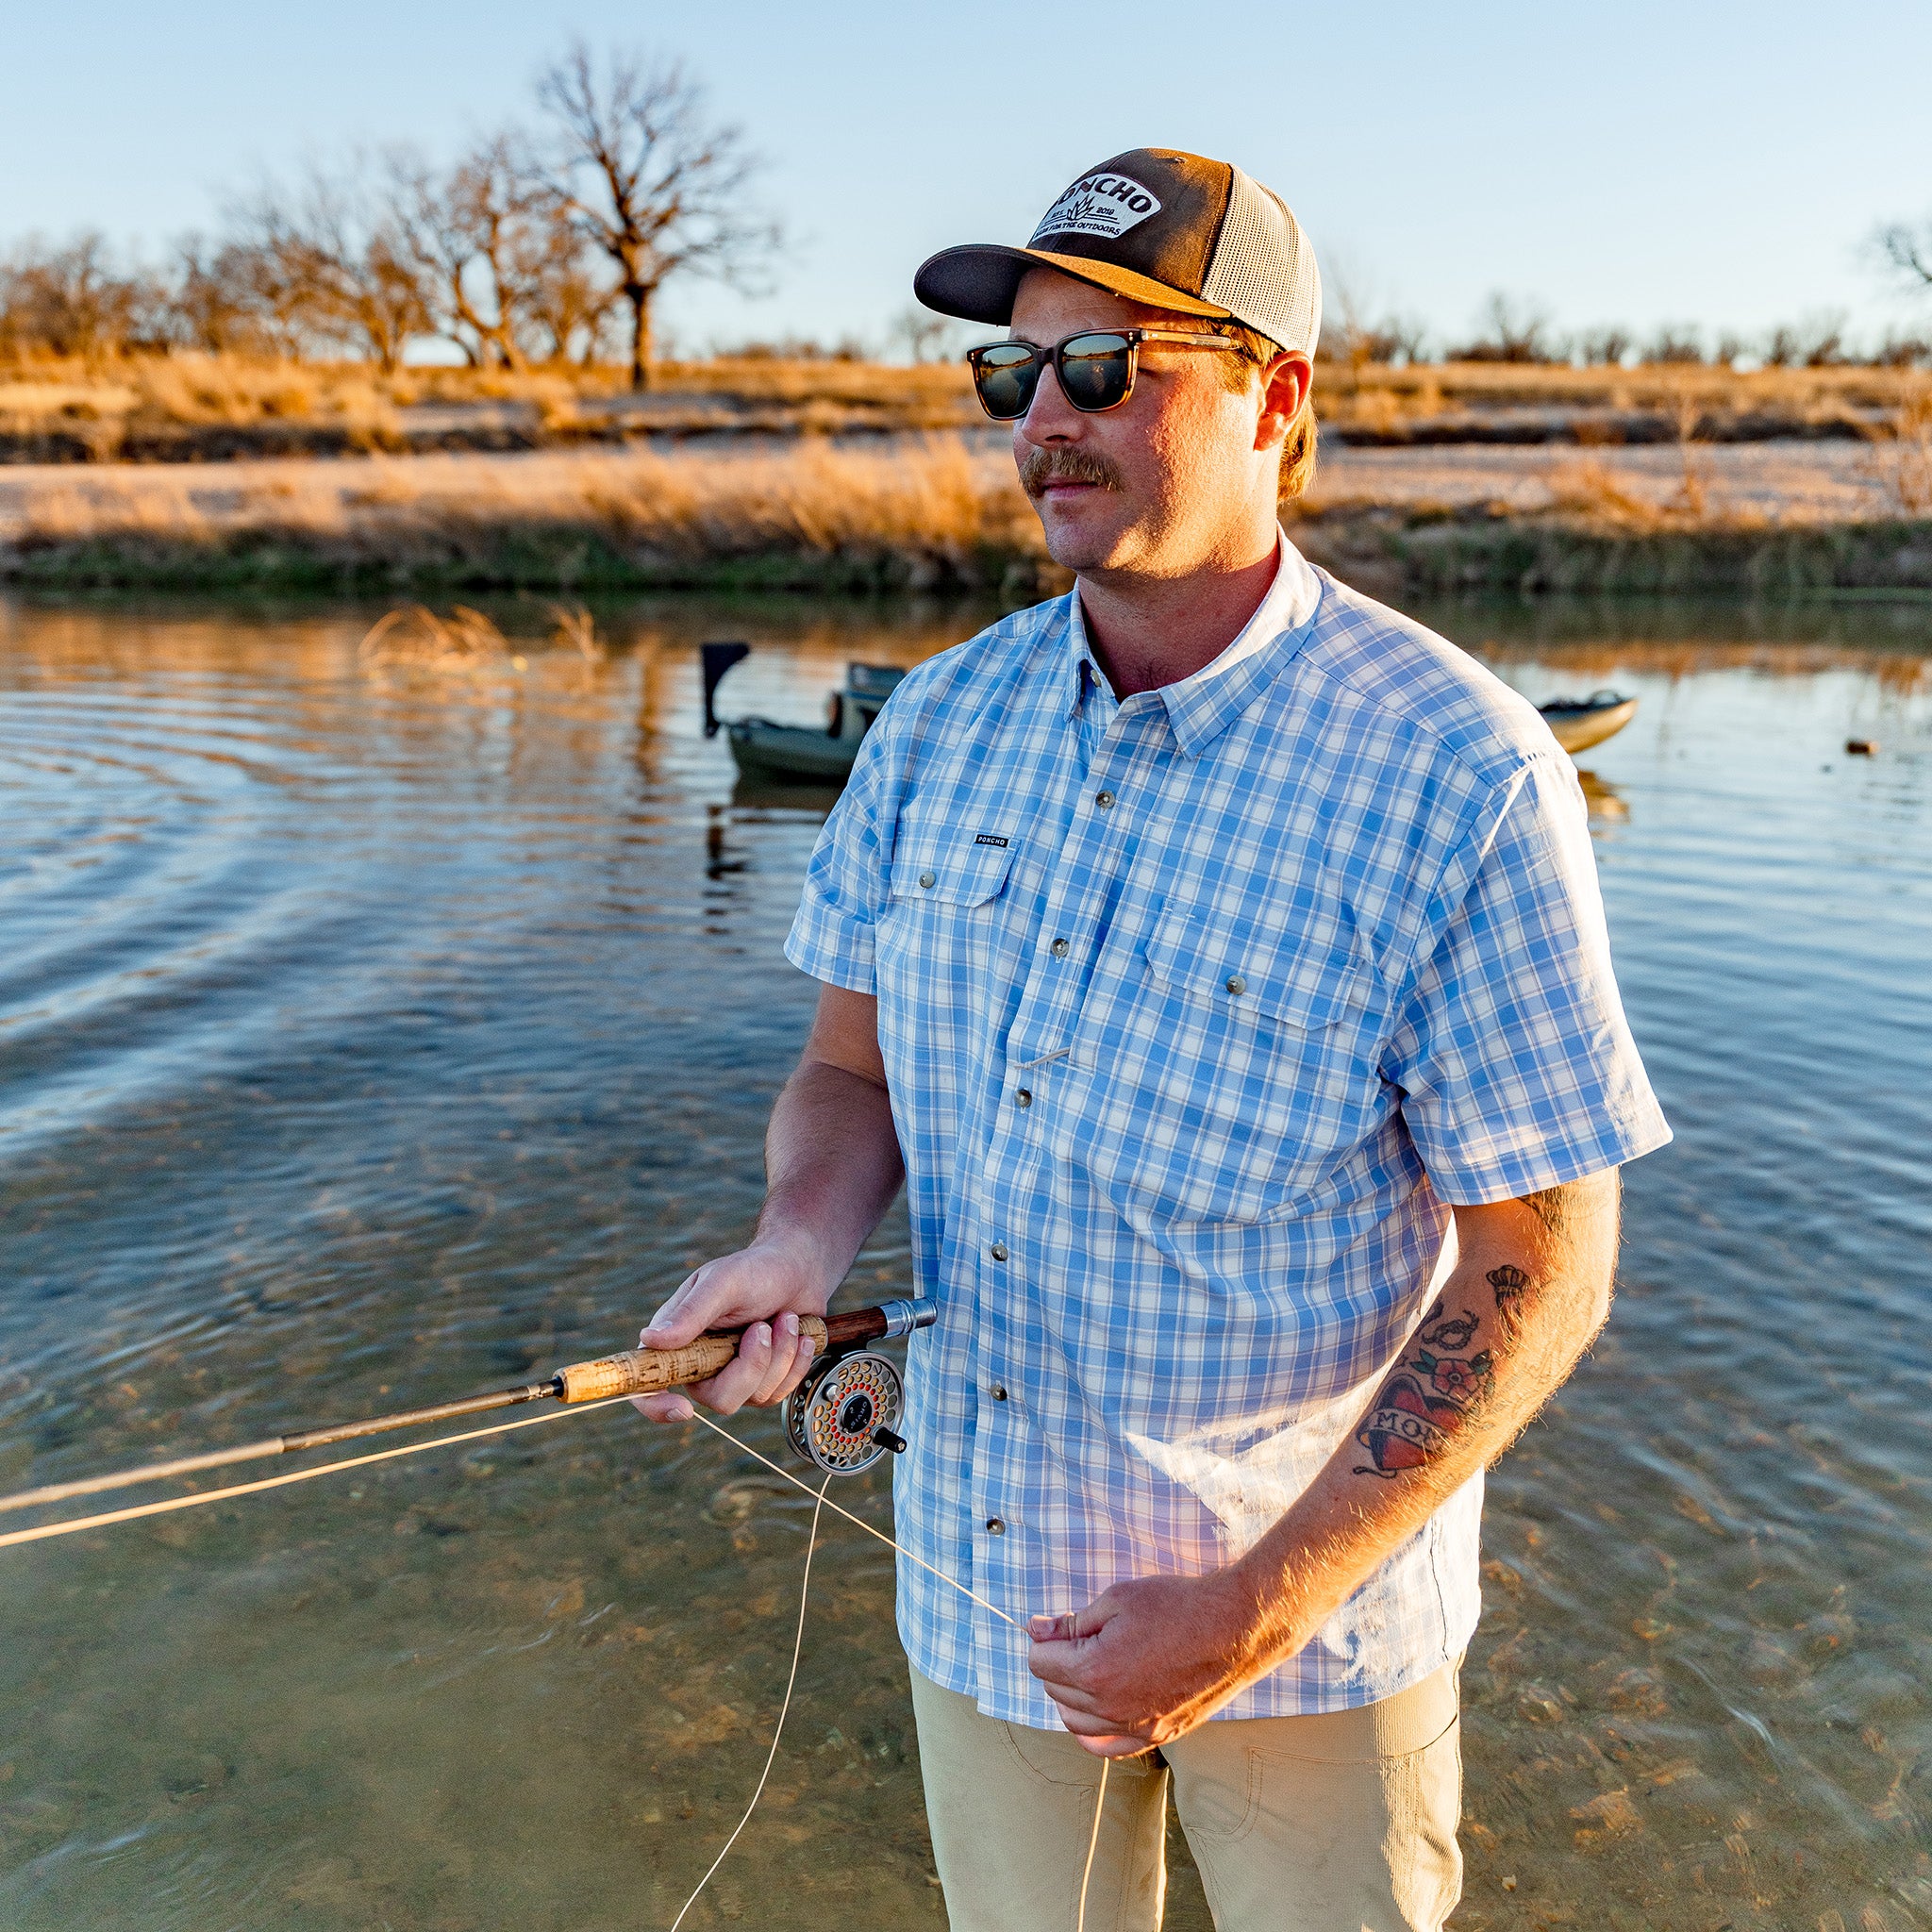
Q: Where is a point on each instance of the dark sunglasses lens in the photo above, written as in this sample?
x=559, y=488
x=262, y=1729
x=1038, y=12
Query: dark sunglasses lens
x=1006, y=377
x=1093, y=371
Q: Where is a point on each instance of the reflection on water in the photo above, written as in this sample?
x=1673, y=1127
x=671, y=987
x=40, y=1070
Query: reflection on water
x=369, y=1038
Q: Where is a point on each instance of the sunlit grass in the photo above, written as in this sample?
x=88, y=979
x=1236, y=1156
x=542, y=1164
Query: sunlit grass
x=190, y=393
x=938, y=509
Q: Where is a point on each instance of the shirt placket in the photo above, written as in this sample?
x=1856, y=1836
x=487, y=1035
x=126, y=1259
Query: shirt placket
x=1014, y=1267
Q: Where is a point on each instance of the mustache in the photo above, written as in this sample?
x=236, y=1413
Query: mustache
x=1041, y=467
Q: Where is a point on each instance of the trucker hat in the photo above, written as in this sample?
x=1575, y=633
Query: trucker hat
x=1172, y=230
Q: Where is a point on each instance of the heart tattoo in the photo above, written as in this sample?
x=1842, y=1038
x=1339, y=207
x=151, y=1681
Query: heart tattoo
x=1428, y=1398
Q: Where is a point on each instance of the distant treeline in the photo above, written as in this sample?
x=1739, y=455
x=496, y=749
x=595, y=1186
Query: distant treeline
x=1518, y=332
x=548, y=242
x=545, y=241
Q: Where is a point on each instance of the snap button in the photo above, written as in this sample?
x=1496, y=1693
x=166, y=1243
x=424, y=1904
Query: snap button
x=998, y=1251
x=1236, y=984
x=994, y=1526
x=1103, y=799
x=1059, y=949
x=928, y=879
x=999, y=1393
x=1023, y=1098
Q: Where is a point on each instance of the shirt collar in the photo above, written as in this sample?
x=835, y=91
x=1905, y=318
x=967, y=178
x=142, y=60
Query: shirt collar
x=1201, y=706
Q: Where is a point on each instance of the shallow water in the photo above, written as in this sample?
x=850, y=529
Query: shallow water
x=371, y=1037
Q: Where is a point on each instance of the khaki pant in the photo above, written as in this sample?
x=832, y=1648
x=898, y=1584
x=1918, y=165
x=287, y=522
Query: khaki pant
x=1343, y=1821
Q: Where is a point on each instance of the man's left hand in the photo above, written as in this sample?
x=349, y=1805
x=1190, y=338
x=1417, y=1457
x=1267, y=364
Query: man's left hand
x=1146, y=1662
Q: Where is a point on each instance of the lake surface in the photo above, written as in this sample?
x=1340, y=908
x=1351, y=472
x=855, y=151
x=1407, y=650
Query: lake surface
x=371, y=1036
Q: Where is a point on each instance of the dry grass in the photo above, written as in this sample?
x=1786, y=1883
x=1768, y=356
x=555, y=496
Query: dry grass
x=923, y=513
x=1591, y=489
x=414, y=642
x=198, y=392
x=1375, y=397
x=936, y=513
x=102, y=404
x=97, y=405
x=414, y=638
x=1900, y=464
x=576, y=630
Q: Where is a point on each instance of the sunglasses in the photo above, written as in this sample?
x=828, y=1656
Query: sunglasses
x=1095, y=369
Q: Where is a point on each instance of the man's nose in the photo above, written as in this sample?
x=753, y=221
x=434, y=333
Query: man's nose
x=1050, y=418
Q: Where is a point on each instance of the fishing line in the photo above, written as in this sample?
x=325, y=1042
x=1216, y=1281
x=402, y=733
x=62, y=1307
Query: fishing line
x=778, y=1729
x=1105, y=1763
x=1092, y=1845
x=778, y=1469
x=70, y=1525
x=820, y=1502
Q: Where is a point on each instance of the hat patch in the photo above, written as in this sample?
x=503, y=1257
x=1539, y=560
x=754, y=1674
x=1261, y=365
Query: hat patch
x=1105, y=205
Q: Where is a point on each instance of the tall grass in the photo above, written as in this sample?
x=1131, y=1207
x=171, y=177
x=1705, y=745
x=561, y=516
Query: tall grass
x=1901, y=464
x=918, y=515
x=194, y=391
x=199, y=391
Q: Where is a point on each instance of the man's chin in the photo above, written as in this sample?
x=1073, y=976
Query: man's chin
x=1076, y=538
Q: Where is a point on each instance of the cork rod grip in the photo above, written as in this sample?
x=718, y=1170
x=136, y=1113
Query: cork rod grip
x=647, y=1371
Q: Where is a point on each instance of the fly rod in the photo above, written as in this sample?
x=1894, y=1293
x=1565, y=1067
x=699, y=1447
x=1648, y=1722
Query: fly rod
x=631, y=1371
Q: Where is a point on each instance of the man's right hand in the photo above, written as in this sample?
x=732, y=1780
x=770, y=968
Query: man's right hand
x=766, y=1285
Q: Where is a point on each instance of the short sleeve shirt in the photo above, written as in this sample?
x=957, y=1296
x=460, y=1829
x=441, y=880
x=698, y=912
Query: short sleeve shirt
x=1198, y=1011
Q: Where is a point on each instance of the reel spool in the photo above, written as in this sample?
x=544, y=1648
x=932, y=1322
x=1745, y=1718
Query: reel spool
x=842, y=1418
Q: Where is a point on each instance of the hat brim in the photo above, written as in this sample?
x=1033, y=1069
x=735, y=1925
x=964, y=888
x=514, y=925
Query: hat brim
x=980, y=280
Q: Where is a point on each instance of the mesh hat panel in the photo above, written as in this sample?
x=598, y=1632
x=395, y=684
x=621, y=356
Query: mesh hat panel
x=1264, y=272
x=1171, y=230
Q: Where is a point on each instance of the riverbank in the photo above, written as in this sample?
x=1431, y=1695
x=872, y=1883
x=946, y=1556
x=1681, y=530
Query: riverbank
x=201, y=409
x=944, y=513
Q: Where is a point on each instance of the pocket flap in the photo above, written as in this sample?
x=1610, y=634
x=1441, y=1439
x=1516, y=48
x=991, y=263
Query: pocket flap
x=1306, y=982
x=941, y=866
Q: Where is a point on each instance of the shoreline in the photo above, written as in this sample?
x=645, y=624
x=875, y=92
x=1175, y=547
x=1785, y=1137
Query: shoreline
x=942, y=514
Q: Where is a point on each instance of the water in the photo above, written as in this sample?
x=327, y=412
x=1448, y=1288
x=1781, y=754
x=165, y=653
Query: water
x=366, y=1038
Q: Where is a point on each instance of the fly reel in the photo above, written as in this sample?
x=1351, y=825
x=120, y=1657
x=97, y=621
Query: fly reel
x=842, y=1418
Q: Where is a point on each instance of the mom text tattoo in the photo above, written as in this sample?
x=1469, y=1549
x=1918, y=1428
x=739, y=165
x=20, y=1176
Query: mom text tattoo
x=1435, y=1389
x=1438, y=1388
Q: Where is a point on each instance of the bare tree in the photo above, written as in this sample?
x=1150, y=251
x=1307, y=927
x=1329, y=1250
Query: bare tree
x=1908, y=250
x=331, y=264
x=1815, y=342
x=75, y=301
x=1605, y=346
x=1512, y=333
x=567, y=303
x=1898, y=351
x=1392, y=338
x=650, y=180
x=929, y=337
x=1674, y=342
x=214, y=301
x=468, y=231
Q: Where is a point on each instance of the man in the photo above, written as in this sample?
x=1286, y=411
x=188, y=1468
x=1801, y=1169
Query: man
x=1218, y=956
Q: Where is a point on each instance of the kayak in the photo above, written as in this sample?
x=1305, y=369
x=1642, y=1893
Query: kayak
x=798, y=753
x=1580, y=723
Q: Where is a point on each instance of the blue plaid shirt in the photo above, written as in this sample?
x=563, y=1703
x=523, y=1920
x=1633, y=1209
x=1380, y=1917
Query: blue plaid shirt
x=1197, y=1011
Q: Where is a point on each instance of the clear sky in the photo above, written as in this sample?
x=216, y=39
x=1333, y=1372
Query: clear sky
x=1704, y=160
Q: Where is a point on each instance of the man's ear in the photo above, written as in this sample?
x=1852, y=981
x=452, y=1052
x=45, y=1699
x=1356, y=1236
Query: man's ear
x=1285, y=384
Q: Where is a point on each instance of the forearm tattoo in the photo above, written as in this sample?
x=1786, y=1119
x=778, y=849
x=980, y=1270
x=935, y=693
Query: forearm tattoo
x=1438, y=1388
x=1510, y=1285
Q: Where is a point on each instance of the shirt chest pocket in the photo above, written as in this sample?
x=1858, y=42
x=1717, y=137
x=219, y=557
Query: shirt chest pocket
x=935, y=866
x=943, y=921
x=1234, y=1070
